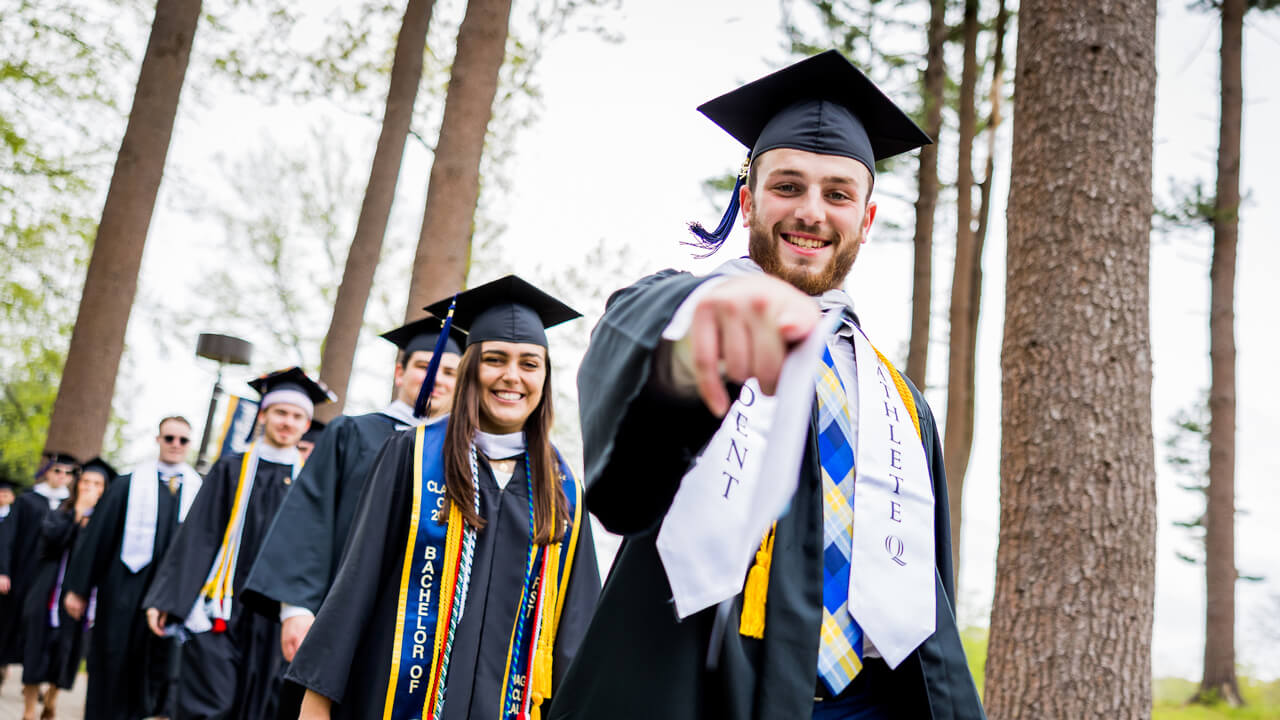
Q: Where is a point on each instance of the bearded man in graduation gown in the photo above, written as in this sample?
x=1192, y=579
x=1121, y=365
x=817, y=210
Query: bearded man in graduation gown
x=824, y=629
x=19, y=545
x=114, y=563
x=231, y=656
x=301, y=551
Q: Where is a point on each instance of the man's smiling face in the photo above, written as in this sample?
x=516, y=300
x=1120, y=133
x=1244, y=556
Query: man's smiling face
x=807, y=214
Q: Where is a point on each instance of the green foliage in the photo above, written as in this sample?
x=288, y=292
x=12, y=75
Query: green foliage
x=60, y=117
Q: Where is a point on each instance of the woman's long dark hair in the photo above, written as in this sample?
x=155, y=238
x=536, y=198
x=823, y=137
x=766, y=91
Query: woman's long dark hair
x=550, y=507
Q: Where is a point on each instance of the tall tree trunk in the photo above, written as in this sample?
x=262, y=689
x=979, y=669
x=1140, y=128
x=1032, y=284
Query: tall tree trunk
x=1075, y=570
x=927, y=196
x=366, y=247
x=1220, y=564
x=959, y=431
x=444, y=247
x=83, y=406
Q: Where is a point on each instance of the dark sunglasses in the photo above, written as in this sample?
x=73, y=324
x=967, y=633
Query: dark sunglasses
x=176, y=438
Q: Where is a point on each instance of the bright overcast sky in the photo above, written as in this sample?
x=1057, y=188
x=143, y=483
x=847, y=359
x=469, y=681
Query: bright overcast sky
x=619, y=155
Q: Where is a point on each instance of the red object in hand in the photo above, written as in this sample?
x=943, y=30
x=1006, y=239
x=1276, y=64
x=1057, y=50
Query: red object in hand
x=219, y=625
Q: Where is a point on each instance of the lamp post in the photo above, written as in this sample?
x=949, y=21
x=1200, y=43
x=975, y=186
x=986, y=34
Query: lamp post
x=224, y=350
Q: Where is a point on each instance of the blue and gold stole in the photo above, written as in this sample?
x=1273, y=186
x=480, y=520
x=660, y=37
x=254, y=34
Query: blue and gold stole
x=433, y=585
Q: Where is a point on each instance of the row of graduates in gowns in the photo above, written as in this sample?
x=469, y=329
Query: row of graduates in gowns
x=37, y=539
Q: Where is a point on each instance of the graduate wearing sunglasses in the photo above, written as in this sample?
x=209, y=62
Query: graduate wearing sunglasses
x=470, y=573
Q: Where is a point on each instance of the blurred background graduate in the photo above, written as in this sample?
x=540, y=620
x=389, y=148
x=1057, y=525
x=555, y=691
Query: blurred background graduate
x=470, y=572
x=231, y=659
x=300, y=554
x=113, y=563
x=54, y=641
x=19, y=541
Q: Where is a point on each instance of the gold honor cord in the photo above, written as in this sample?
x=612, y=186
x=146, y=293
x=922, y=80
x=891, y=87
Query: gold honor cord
x=756, y=592
x=219, y=586
x=415, y=513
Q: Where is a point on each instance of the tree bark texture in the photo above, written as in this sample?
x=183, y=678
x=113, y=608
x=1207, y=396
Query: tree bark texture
x=1220, y=563
x=927, y=197
x=339, y=349
x=964, y=311
x=453, y=188
x=1072, y=615
x=83, y=405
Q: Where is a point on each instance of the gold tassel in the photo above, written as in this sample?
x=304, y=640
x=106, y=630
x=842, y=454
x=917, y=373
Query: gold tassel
x=757, y=590
x=543, y=652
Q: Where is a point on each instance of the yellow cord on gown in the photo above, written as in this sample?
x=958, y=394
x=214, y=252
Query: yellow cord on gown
x=756, y=593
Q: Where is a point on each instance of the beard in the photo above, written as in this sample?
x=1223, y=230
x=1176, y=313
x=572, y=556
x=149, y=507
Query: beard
x=764, y=248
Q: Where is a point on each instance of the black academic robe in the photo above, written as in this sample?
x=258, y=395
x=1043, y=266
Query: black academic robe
x=128, y=665
x=347, y=654
x=637, y=660
x=231, y=674
x=302, y=548
x=19, y=559
x=52, y=654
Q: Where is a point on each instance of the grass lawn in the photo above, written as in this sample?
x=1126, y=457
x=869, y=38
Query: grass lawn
x=1170, y=694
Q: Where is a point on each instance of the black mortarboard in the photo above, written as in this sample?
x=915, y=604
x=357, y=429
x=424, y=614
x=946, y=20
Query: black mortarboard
x=508, y=309
x=293, y=379
x=422, y=335
x=313, y=433
x=57, y=458
x=101, y=466
x=822, y=104
x=7, y=484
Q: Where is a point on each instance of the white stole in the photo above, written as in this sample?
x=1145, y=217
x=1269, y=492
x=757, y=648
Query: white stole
x=891, y=584
x=142, y=510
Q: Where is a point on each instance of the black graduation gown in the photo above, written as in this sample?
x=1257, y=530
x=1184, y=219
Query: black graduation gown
x=127, y=664
x=18, y=560
x=347, y=654
x=304, y=543
x=637, y=660
x=232, y=674
x=52, y=654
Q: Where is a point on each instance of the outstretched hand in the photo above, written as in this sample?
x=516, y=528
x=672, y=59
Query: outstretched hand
x=743, y=329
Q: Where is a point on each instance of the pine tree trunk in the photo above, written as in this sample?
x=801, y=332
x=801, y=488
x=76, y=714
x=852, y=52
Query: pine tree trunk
x=1219, y=678
x=959, y=430
x=453, y=189
x=927, y=197
x=83, y=406
x=1075, y=571
x=340, y=342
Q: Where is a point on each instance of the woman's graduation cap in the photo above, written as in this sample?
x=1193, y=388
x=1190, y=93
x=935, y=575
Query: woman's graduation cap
x=101, y=466
x=823, y=104
x=292, y=386
x=508, y=309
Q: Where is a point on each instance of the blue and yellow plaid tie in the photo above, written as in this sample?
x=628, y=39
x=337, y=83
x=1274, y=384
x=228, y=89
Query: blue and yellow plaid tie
x=840, y=651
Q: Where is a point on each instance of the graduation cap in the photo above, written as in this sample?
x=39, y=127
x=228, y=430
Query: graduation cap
x=291, y=386
x=313, y=433
x=422, y=336
x=57, y=458
x=99, y=465
x=822, y=104
x=508, y=309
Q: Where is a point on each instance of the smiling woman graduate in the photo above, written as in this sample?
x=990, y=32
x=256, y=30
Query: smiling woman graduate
x=470, y=573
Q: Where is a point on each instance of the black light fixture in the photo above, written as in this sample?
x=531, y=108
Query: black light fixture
x=224, y=350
